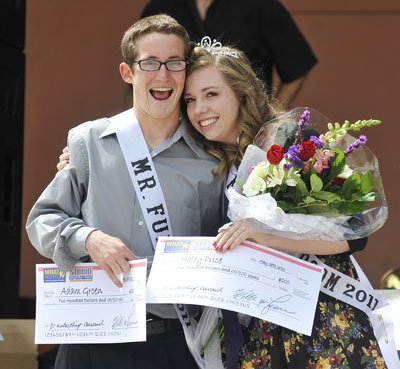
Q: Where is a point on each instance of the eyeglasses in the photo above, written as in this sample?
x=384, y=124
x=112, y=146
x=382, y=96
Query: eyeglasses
x=150, y=65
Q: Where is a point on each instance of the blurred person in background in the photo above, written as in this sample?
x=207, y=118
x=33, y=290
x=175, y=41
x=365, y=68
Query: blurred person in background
x=263, y=29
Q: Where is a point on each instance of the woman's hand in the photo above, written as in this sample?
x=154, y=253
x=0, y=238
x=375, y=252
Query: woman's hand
x=63, y=159
x=232, y=234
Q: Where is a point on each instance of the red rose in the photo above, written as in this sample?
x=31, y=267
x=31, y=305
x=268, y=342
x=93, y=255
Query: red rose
x=275, y=154
x=338, y=181
x=307, y=150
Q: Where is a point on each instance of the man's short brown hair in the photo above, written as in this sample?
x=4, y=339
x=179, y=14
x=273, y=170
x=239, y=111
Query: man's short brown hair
x=161, y=23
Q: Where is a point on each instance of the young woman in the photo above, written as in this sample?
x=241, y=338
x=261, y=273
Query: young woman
x=227, y=105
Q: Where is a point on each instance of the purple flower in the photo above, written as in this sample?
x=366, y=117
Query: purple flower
x=317, y=142
x=294, y=150
x=356, y=144
x=298, y=163
x=304, y=119
x=292, y=156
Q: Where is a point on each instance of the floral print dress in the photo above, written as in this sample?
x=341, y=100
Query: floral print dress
x=342, y=337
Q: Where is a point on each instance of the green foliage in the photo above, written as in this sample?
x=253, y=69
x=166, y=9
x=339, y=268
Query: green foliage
x=327, y=199
x=337, y=164
x=366, y=184
x=316, y=183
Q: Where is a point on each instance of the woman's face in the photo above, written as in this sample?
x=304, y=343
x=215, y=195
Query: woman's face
x=212, y=106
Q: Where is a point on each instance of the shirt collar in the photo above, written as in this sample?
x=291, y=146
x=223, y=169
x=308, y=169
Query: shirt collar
x=181, y=132
x=112, y=127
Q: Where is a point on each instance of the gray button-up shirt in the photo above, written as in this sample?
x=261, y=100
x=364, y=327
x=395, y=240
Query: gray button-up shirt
x=96, y=192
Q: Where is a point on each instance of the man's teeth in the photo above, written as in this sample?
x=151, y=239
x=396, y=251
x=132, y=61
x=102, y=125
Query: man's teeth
x=207, y=122
x=161, y=93
x=162, y=89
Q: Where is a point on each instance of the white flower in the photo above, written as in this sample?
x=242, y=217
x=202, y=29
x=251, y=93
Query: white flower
x=276, y=176
x=261, y=169
x=291, y=182
x=254, y=185
x=346, y=172
x=279, y=175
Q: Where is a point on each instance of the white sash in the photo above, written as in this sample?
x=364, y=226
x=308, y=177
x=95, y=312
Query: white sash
x=151, y=199
x=143, y=175
x=362, y=296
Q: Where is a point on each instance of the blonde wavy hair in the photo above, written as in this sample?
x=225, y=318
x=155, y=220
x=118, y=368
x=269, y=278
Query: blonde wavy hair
x=256, y=107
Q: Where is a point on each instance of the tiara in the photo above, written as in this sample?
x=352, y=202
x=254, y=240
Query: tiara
x=216, y=48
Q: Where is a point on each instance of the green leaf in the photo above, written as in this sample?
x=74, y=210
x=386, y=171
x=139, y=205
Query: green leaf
x=355, y=196
x=351, y=207
x=327, y=196
x=309, y=200
x=321, y=209
x=366, y=183
x=301, y=187
x=285, y=206
x=297, y=210
x=351, y=185
x=316, y=183
x=337, y=164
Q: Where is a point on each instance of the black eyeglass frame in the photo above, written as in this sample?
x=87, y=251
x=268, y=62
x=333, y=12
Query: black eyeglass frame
x=160, y=64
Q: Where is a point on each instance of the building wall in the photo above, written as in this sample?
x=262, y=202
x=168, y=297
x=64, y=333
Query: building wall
x=72, y=59
x=72, y=54
x=357, y=77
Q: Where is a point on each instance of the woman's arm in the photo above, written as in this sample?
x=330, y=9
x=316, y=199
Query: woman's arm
x=231, y=236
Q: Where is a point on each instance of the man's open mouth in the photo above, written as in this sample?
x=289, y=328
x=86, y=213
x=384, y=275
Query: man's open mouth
x=161, y=93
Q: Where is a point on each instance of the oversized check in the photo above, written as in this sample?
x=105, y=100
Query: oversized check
x=251, y=279
x=84, y=305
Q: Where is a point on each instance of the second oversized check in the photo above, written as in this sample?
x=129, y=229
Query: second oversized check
x=251, y=279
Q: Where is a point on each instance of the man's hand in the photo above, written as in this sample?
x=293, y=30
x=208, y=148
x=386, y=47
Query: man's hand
x=109, y=253
x=63, y=159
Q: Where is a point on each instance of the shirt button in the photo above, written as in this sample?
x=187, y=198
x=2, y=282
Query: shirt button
x=140, y=223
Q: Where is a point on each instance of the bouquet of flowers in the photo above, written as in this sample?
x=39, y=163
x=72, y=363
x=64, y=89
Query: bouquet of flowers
x=306, y=178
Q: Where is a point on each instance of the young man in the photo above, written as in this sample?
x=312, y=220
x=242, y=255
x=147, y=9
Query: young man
x=93, y=210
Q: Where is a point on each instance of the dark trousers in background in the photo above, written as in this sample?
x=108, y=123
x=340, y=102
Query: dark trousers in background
x=161, y=351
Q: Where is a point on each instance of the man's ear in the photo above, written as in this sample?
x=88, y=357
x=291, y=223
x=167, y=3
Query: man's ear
x=126, y=73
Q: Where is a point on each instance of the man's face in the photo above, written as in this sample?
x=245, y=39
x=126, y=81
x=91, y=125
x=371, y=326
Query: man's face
x=157, y=93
